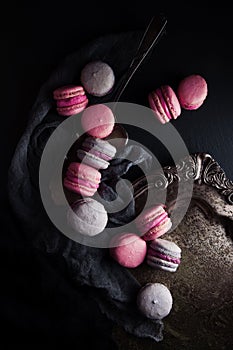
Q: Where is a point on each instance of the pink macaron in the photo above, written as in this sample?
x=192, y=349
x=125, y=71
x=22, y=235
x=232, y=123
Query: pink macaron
x=81, y=178
x=153, y=222
x=98, y=120
x=192, y=91
x=165, y=104
x=128, y=249
x=70, y=100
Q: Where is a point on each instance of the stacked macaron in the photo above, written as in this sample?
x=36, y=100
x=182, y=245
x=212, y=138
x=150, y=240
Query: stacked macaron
x=82, y=179
x=96, y=152
x=153, y=222
x=166, y=104
x=164, y=255
x=129, y=250
x=70, y=100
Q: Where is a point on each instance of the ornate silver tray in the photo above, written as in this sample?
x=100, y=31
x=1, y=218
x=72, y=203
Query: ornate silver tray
x=202, y=287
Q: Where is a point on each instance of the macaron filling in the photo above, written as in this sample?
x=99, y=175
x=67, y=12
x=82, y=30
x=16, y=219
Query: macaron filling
x=158, y=230
x=156, y=254
x=162, y=263
x=68, y=91
x=78, y=181
x=154, y=222
x=164, y=251
x=77, y=174
x=92, y=160
x=97, y=153
x=66, y=102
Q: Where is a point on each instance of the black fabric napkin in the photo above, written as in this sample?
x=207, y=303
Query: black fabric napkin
x=112, y=286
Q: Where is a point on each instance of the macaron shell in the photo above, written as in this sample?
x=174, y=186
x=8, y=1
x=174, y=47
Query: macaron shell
x=192, y=91
x=81, y=178
x=97, y=78
x=128, y=249
x=99, y=145
x=83, y=190
x=154, y=300
x=66, y=102
x=89, y=159
x=166, y=247
x=98, y=120
x=68, y=91
x=72, y=110
x=87, y=217
x=84, y=171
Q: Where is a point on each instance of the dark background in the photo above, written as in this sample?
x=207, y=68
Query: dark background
x=38, y=305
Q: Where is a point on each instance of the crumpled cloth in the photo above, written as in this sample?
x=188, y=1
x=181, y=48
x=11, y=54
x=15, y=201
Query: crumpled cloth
x=111, y=285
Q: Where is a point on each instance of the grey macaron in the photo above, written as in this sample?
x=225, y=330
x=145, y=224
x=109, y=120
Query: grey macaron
x=97, y=78
x=87, y=216
x=96, y=152
x=154, y=300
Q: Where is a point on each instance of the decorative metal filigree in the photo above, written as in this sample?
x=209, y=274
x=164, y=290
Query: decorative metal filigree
x=200, y=167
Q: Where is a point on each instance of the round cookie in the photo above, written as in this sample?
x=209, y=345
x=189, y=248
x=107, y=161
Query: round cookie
x=154, y=300
x=87, y=216
x=97, y=78
x=98, y=120
x=128, y=249
x=192, y=92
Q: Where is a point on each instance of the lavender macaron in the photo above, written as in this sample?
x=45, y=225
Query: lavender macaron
x=154, y=300
x=164, y=255
x=87, y=216
x=96, y=152
x=97, y=78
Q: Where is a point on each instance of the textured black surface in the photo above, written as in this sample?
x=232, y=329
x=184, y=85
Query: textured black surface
x=37, y=37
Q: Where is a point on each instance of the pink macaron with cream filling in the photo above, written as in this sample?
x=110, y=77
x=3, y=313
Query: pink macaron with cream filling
x=81, y=178
x=164, y=103
x=153, y=222
x=70, y=100
x=128, y=249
